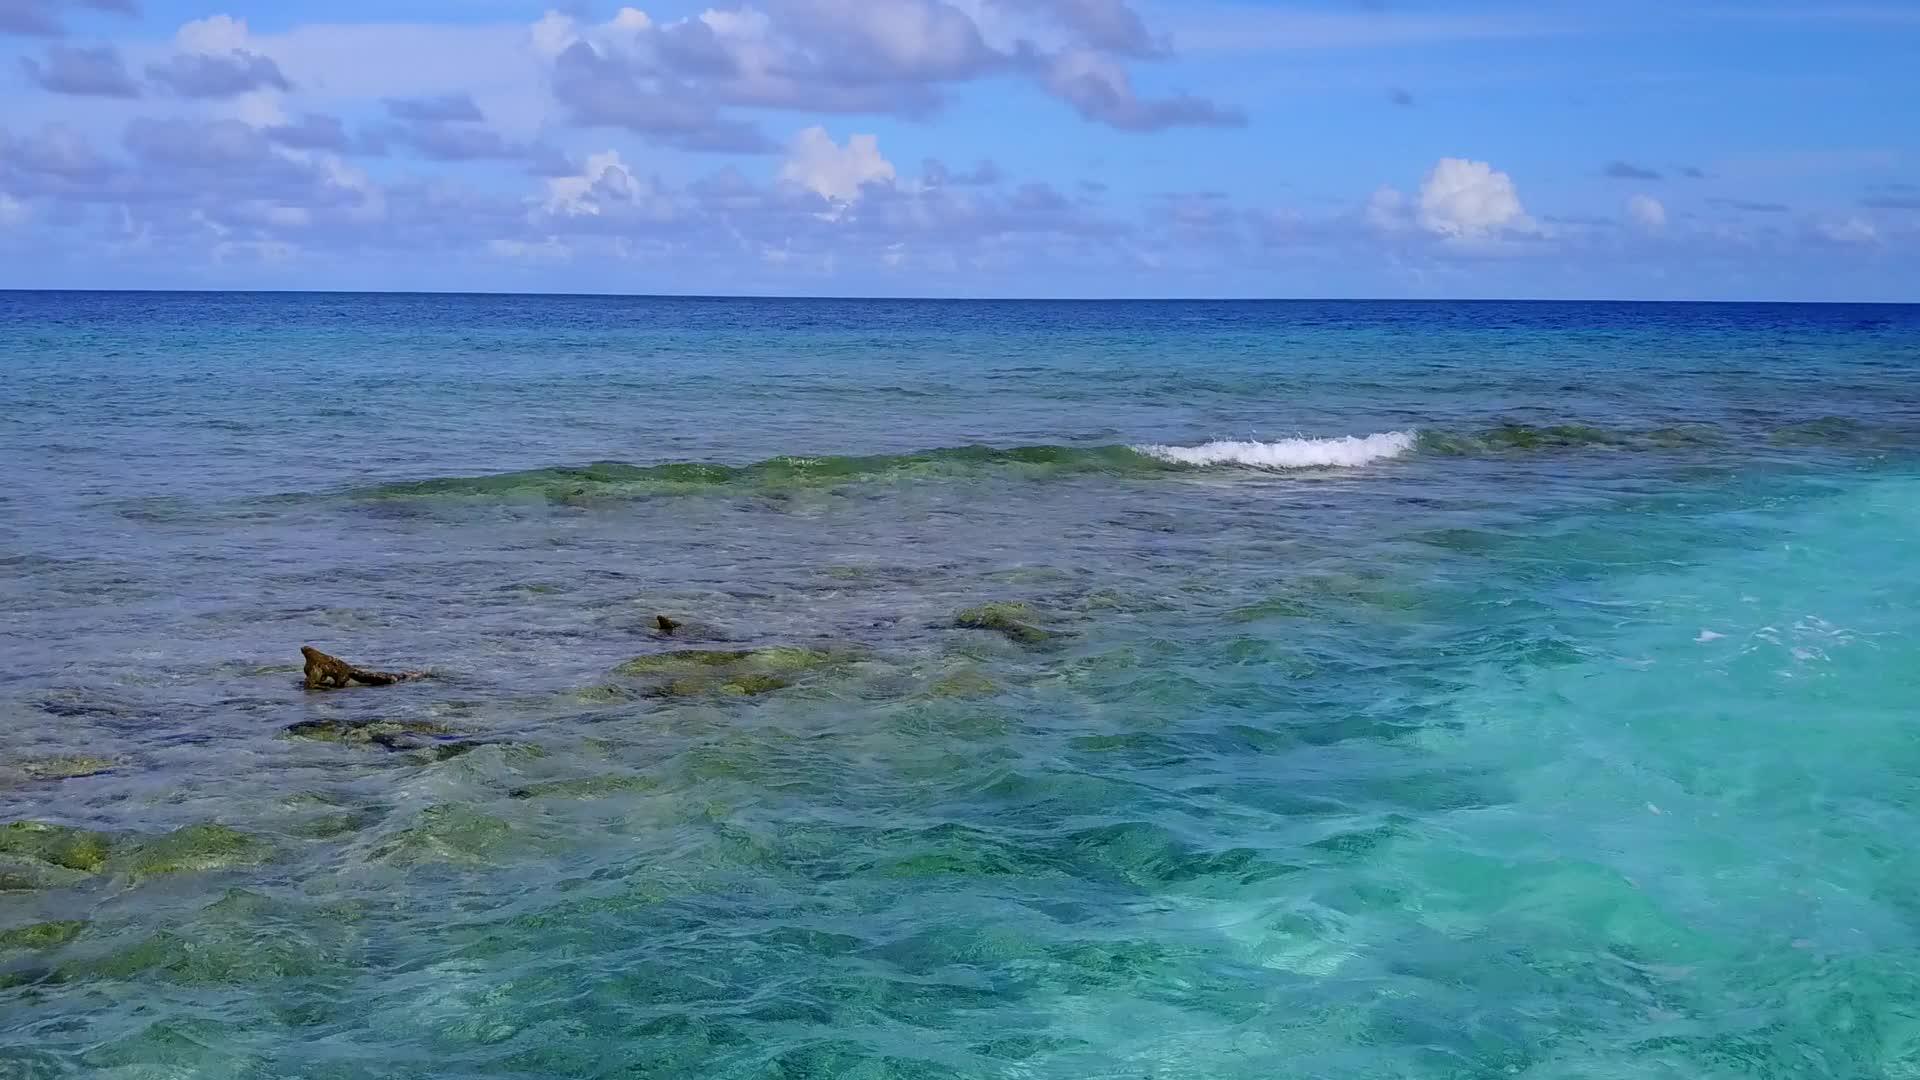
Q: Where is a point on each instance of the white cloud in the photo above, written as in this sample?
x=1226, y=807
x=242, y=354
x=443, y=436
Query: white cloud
x=1387, y=209
x=922, y=38
x=1850, y=232
x=632, y=20
x=261, y=251
x=331, y=64
x=199, y=217
x=493, y=63
x=1469, y=199
x=219, y=34
x=669, y=79
x=272, y=214
x=371, y=201
x=605, y=186
x=555, y=31
x=1100, y=88
x=134, y=236
x=1647, y=212
x=258, y=108
x=12, y=210
x=742, y=25
x=747, y=39
x=569, y=196
x=550, y=249
x=817, y=163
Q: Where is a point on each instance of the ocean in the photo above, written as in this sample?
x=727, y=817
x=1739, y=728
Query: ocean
x=1060, y=690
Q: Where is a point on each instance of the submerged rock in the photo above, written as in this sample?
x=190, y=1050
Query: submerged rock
x=390, y=734
x=605, y=694
x=509, y=751
x=729, y=672
x=1274, y=607
x=686, y=660
x=426, y=739
x=30, y=875
x=329, y=826
x=584, y=787
x=45, y=935
x=325, y=672
x=89, y=704
x=964, y=683
x=66, y=767
x=1684, y=435
x=56, y=845
x=1530, y=437
x=448, y=833
x=194, y=848
x=1010, y=619
x=197, y=960
x=752, y=683
x=668, y=628
x=174, y=1049
x=242, y=939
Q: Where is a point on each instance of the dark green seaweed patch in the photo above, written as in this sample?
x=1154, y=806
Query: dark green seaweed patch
x=584, y=484
x=612, y=479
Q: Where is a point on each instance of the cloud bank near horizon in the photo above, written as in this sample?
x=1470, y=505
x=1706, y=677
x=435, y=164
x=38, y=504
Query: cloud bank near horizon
x=816, y=146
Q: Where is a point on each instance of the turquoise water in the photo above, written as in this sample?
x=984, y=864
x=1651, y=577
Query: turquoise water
x=1375, y=690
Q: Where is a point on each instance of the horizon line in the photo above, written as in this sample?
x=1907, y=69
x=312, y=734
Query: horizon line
x=950, y=299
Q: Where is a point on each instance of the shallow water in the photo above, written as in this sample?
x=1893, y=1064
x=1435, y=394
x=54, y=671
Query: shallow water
x=1564, y=735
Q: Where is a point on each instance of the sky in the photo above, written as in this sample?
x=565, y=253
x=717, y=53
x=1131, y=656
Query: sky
x=1738, y=149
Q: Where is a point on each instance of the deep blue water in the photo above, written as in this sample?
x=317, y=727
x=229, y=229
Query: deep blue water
x=1394, y=689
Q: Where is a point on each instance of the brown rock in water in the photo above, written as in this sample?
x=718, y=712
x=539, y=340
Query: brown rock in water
x=667, y=626
x=1008, y=619
x=330, y=672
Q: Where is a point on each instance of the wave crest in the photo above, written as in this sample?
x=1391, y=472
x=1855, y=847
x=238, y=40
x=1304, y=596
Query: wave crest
x=618, y=480
x=1343, y=452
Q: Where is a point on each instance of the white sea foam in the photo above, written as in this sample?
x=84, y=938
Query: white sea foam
x=1343, y=452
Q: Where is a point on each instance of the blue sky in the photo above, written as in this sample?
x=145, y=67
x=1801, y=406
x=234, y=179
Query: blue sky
x=966, y=147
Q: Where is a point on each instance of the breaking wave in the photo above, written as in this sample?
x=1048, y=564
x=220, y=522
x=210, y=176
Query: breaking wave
x=615, y=480
x=1345, y=452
